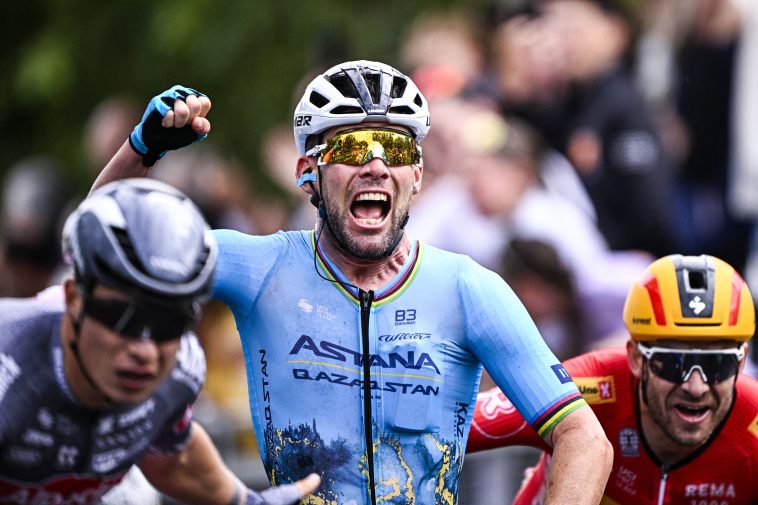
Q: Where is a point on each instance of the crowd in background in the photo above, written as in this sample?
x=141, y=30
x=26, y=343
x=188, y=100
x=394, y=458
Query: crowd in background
x=572, y=141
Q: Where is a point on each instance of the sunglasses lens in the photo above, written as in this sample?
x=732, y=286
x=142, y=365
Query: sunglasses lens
x=357, y=147
x=676, y=366
x=132, y=321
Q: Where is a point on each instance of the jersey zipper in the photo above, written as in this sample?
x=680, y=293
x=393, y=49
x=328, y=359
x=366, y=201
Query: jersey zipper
x=662, y=484
x=366, y=297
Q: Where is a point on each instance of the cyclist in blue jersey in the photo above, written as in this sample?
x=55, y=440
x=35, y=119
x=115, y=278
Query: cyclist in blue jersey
x=100, y=374
x=364, y=348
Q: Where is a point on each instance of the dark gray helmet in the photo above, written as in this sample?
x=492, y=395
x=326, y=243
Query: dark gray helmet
x=143, y=237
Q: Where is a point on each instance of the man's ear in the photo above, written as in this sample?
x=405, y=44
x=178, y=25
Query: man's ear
x=418, y=174
x=305, y=165
x=73, y=298
x=634, y=357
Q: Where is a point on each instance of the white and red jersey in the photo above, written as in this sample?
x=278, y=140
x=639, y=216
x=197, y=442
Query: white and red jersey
x=722, y=472
x=53, y=449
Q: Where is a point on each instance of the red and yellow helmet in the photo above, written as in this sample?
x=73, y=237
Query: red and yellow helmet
x=690, y=298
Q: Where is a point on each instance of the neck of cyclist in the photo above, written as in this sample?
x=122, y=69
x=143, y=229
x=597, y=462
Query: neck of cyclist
x=365, y=273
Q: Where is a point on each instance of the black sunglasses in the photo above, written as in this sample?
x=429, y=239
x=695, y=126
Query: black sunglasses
x=136, y=321
x=677, y=365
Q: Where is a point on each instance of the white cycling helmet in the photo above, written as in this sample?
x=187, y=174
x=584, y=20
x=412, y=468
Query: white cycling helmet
x=356, y=92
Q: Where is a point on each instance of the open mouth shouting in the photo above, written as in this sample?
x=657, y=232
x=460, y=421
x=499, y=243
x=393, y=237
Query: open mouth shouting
x=692, y=414
x=370, y=208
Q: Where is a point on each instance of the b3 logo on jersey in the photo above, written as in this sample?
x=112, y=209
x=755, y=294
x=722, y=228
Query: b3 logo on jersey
x=407, y=316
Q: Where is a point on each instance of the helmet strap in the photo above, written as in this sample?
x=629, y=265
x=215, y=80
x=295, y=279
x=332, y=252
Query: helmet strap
x=74, y=346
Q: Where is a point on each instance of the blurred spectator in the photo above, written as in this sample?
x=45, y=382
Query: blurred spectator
x=443, y=52
x=34, y=201
x=546, y=287
x=563, y=70
x=497, y=188
x=279, y=160
x=108, y=126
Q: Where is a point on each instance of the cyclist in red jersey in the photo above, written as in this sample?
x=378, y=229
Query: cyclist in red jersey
x=682, y=419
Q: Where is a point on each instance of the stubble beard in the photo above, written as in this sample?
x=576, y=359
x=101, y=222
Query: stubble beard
x=354, y=246
x=690, y=438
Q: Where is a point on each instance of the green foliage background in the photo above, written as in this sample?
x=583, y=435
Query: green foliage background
x=62, y=57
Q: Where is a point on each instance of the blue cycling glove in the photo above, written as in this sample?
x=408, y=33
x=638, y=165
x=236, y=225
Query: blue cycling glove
x=150, y=139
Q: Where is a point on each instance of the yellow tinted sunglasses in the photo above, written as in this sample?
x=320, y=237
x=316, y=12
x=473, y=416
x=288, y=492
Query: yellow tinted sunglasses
x=359, y=146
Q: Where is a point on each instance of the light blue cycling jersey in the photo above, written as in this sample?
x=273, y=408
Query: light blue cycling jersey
x=428, y=332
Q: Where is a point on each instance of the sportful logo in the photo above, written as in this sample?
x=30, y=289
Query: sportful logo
x=697, y=305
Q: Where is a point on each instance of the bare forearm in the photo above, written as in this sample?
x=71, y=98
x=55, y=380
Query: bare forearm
x=196, y=476
x=124, y=164
x=582, y=460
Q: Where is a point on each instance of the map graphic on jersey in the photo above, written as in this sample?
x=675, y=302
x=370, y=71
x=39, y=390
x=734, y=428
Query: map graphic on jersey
x=414, y=473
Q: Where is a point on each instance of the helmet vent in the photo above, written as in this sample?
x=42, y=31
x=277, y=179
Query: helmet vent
x=344, y=85
x=696, y=280
x=402, y=109
x=318, y=99
x=128, y=248
x=398, y=87
x=374, y=86
x=418, y=101
x=346, y=109
x=202, y=259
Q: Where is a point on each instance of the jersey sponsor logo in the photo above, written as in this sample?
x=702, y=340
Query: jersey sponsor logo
x=597, y=390
x=389, y=386
x=108, y=461
x=405, y=336
x=67, y=456
x=9, y=372
x=629, y=442
x=321, y=310
x=561, y=373
x=461, y=413
x=37, y=438
x=135, y=436
x=45, y=418
x=105, y=425
x=137, y=414
x=753, y=428
x=625, y=480
x=271, y=461
x=710, y=490
x=405, y=316
x=325, y=349
x=23, y=456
